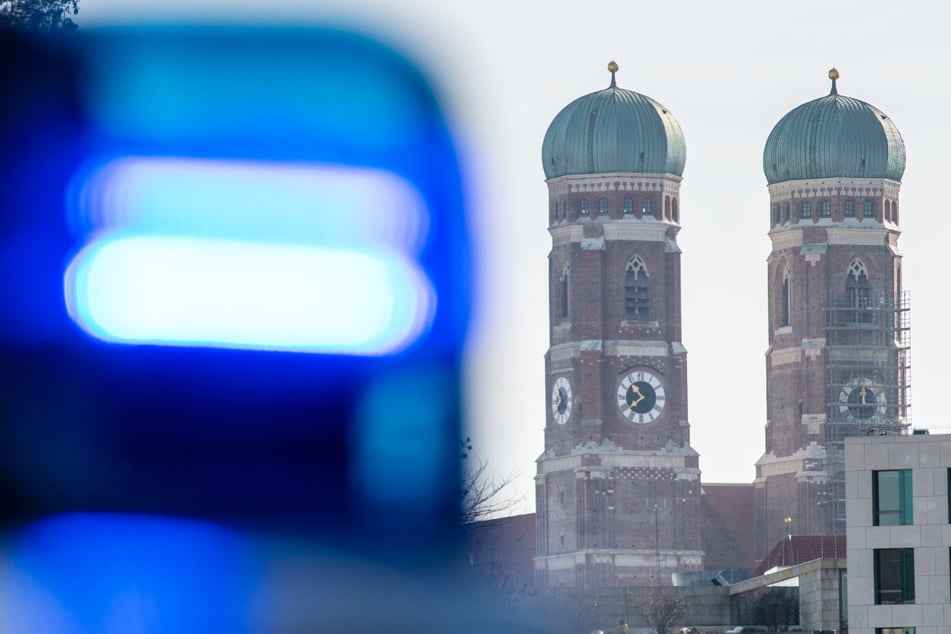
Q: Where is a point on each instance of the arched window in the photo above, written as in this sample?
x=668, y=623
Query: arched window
x=636, y=290
x=667, y=207
x=867, y=209
x=564, y=293
x=602, y=206
x=784, y=301
x=895, y=212
x=825, y=209
x=628, y=206
x=647, y=208
x=786, y=212
x=850, y=209
x=805, y=211
x=676, y=215
x=583, y=206
x=775, y=214
x=858, y=293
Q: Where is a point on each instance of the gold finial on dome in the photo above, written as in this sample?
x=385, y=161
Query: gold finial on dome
x=612, y=68
x=833, y=75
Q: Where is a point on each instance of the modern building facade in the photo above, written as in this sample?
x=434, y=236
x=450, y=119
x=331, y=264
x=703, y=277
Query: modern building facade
x=899, y=534
x=618, y=485
x=837, y=361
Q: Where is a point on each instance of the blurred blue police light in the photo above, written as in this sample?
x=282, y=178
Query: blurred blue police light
x=86, y=572
x=201, y=292
x=238, y=254
x=263, y=201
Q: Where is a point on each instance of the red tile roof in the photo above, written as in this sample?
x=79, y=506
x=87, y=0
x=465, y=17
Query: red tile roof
x=799, y=549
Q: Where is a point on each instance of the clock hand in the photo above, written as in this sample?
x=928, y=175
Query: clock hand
x=640, y=397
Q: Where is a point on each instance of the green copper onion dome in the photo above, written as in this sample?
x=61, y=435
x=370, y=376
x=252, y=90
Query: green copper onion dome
x=613, y=130
x=834, y=137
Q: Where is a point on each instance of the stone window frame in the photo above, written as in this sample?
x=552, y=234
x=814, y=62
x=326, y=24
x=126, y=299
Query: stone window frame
x=892, y=502
x=636, y=290
x=805, y=211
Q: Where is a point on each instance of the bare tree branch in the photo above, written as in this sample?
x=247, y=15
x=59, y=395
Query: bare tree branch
x=483, y=491
x=663, y=608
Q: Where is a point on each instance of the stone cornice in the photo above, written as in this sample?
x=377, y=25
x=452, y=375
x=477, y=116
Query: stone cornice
x=819, y=187
x=614, y=347
x=664, y=183
x=643, y=230
x=852, y=232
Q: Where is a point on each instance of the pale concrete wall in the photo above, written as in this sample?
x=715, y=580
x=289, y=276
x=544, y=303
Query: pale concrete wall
x=929, y=457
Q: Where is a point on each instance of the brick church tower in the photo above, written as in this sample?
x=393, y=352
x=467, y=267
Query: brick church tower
x=837, y=362
x=618, y=486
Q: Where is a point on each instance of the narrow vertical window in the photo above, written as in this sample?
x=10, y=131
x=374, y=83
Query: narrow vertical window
x=628, y=206
x=786, y=212
x=825, y=209
x=894, y=575
x=673, y=204
x=602, y=206
x=564, y=294
x=850, y=209
x=858, y=291
x=583, y=206
x=805, y=211
x=867, y=209
x=776, y=217
x=647, y=209
x=636, y=291
x=892, y=498
x=784, y=301
x=667, y=207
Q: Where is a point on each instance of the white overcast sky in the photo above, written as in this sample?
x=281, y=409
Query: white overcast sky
x=728, y=71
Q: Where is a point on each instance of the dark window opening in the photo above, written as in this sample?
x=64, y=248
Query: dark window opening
x=894, y=575
x=784, y=308
x=564, y=295
x=636, y=292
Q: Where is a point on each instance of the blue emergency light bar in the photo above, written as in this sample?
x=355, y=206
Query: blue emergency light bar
x=228, y=243
x=305, y=258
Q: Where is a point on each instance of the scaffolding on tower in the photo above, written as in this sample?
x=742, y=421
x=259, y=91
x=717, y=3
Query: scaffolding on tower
x=868, y=387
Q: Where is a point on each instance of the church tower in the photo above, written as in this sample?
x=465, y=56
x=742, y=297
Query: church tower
x=837, y=362
x=618, y=486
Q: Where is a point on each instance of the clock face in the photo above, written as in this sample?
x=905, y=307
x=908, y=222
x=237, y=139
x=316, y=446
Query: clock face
x=641, y=397
x=561, y=400
x=862, y=399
